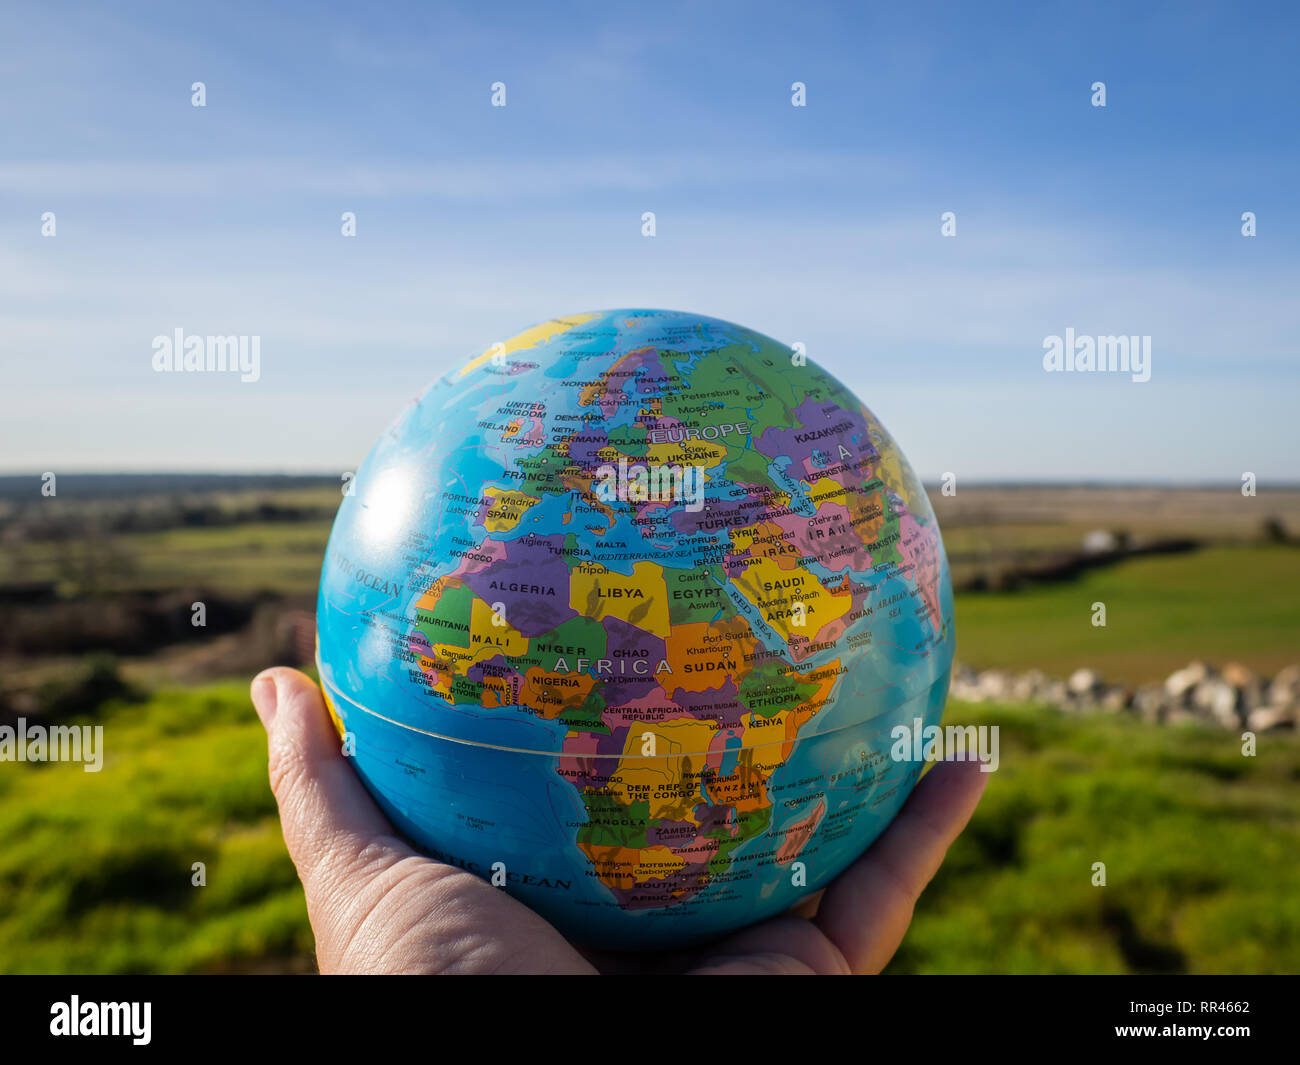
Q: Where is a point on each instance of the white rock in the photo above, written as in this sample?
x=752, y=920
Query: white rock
x=1084, y=682
x=1268, y=718
x=995, y=684
x=1099, y=542
x=1285, y=689
x=1180, y=684
x=1238, y=676
x=1115, y=699
x=1219, y=700
x=1030, y=686
x=1150, y=702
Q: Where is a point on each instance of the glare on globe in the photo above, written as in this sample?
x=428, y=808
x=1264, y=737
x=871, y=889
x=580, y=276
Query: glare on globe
x=623, y=615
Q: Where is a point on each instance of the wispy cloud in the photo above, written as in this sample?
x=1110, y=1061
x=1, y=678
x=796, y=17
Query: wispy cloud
x=820, y=225
x=563, y=178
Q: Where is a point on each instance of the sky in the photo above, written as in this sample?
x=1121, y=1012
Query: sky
x=818, y=224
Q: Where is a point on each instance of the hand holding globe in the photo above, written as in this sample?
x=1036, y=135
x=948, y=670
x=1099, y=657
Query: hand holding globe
x=378, y=906
x=624, y=616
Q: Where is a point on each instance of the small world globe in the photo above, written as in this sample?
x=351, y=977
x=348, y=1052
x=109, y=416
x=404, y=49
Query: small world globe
x=625, y=615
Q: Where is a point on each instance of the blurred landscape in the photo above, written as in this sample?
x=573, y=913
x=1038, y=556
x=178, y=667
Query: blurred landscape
x=98, y=587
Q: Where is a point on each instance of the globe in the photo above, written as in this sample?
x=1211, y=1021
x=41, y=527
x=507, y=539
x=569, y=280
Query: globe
x=625, y=615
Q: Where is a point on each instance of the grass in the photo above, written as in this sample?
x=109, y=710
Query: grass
x=1198, y=841
x=1199, y=844
x=1220, y=604
x=283, y=557
x=1029, y=537
x=97, y=867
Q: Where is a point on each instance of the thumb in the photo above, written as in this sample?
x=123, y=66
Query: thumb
x=866, y=911
x=330, y=823
x=375, y=904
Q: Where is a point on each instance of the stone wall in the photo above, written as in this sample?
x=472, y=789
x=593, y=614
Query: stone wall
x=1232, y=697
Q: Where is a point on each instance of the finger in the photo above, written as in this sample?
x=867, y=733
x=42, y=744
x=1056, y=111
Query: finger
x=866, y=911
x=807, y=908
x=330, y=823
x=371, y=897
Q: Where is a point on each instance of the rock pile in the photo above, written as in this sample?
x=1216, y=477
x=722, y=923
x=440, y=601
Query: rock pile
x=1233, y=697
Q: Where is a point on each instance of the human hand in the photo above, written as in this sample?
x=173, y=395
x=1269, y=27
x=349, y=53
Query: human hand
x=377, y=905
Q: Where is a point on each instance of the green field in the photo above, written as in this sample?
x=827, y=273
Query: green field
x=1199, y=844
x=96, y=869
x=283, y=557
x=1219, y=604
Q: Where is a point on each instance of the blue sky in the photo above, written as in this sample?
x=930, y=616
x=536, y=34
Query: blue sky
x=817, y=224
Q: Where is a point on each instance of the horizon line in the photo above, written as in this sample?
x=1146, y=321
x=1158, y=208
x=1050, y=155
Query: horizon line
x=981, y=482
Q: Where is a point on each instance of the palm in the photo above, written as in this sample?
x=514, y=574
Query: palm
x=376, y=905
